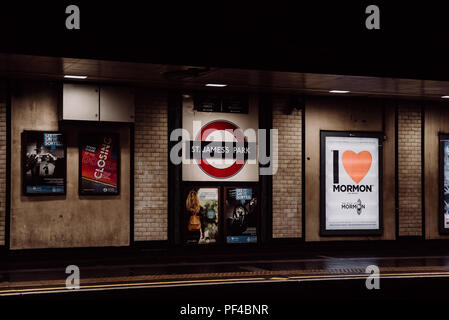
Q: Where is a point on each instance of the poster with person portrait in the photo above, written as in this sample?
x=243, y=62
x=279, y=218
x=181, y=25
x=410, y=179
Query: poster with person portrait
x=43, y=163
x=444, y=184
x=201, y=215
x=99, y=164
x=240, y=215
x=351, y=171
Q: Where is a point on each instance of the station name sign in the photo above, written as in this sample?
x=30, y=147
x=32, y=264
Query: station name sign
x=220, y=146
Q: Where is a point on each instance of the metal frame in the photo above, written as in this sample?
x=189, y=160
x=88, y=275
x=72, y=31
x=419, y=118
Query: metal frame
x=352, y=232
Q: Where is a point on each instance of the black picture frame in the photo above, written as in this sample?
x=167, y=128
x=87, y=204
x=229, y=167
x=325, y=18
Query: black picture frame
x=81, y=137
x=26, y=137
x=441, y=138
x=350, y=232
x=255, y=190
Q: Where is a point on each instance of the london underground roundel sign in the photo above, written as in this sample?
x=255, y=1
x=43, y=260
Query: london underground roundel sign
x=220, y=128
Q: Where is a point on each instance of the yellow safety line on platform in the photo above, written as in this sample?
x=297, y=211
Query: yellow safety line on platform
x=382, y=275
x=117, y=285
x=140, y=284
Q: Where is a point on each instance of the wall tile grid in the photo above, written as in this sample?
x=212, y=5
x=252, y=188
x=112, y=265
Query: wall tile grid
x=150, y=177
x=287, y=182
x=409, y=171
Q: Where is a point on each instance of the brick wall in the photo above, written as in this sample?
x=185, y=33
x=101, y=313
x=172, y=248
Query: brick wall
x=287, y=182
x=409, y=171
x=150, y=177
x=2, y=171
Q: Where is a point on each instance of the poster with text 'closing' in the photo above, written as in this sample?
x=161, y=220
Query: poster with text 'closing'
x=99, y=158
x=352, y=186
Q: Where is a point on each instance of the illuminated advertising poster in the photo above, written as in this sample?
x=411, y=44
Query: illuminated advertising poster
x=240, y=215
x=99, y=164
x=444, y=184
x=351, y=189
x=201, y=215
x=219, y=146
x=43, y=163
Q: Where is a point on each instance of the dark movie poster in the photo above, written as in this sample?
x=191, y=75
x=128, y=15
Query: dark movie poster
x=99, y=161
x=444, y=183
x=200, y=221
x=44, y=163
x=241, y=215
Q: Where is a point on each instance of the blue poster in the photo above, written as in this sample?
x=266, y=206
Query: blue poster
x=241, y=215
x=44, y=164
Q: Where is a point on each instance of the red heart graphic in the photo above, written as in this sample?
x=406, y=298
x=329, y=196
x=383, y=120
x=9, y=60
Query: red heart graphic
x=357, y=164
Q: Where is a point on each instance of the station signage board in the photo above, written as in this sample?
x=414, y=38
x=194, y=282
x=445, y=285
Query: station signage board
x=219, y=146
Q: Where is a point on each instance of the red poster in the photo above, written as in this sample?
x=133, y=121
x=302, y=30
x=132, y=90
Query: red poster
x=99, y=164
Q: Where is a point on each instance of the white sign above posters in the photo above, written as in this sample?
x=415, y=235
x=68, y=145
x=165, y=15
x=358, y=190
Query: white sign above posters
x=352, y=190
x=219, y=146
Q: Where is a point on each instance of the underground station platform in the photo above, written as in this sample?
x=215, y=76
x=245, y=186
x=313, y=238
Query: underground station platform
x=251, y=160
x=405, y=271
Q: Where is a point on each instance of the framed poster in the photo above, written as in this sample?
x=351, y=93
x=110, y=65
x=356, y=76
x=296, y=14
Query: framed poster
x=200, y=221
x=99, y=164
x=240, y=214
x=351, y=183
x=444, y=183
x=43, y=163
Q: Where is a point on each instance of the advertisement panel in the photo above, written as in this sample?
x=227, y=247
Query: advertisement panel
x=350, y=183
x=240, y=213
x=219, y=146
x=43, y=163
x=444, y=184
x=201, y=215
x=99, y=164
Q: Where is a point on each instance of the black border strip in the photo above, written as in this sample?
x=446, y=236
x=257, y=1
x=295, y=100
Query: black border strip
x=174, y=117
x=355, y=134
x=265, y=184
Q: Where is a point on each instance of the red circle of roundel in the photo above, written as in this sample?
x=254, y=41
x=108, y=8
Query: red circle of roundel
x=206, y=166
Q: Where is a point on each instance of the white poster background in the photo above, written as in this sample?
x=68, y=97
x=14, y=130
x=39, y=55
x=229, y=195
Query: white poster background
x=338, y=217
x=190, y=169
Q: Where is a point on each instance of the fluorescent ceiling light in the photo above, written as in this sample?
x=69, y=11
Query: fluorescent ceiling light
x=70, y=76
x=445, y=97
x=339, y=91
x=219, y=85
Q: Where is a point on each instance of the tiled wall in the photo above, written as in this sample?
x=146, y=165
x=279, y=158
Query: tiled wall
x=2, y=171
x=409, y=170
x=150, y=176
x=287, y=182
